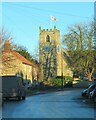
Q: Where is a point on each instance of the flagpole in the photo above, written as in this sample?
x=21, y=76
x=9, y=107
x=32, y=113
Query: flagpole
x=52, y=18
x=51, y=23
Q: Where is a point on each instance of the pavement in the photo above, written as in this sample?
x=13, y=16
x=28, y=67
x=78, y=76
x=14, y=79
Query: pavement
x=38, y=92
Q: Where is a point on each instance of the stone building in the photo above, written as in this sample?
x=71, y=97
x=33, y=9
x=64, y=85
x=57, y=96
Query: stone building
x=51, y=54
x=15, y=64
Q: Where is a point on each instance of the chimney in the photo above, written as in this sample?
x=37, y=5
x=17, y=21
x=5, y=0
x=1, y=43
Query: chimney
x=7, y=46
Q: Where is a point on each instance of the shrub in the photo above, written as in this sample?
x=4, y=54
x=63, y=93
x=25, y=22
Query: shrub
x=68, y=78
x=55, y=82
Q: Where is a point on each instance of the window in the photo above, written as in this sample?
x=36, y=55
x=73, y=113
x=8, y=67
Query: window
x=58, y=48
x=47, y=38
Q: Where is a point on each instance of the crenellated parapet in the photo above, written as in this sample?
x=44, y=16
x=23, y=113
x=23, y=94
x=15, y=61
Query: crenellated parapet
x=48, y=30
x=54, y=35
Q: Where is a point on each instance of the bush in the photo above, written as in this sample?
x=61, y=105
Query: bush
x=55, y=82
x=59, y=81
x=68, y=79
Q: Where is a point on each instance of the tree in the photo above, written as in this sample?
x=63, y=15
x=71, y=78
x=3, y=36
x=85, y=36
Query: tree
x=48, y=59
x=4, y=35
x=80, y=47
x=95, y=34
x=24, y=52
x=4, y=59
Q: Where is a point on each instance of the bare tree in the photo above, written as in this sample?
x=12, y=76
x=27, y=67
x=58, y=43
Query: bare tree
x=48, y=60
x=7, y=60
x=35, y=54
x=4, y=35
x=79, y=42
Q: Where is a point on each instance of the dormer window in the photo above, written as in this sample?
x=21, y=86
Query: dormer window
x=47, y=38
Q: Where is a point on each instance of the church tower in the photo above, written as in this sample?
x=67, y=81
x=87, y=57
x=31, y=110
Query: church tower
x=50, y=51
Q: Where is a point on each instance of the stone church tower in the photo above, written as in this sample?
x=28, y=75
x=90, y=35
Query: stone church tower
x=52, y=57
x=50, y=48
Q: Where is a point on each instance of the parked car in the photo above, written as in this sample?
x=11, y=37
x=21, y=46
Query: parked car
x=13, y=87
x=92, y=94
x=86, y=92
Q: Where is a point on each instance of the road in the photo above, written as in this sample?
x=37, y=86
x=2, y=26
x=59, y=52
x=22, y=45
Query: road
x=61, y=104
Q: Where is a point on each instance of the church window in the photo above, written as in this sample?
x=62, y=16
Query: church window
x=58, y=48
x=47, y=38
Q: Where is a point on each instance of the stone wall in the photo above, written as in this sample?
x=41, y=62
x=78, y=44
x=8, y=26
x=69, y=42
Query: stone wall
x=12, y=66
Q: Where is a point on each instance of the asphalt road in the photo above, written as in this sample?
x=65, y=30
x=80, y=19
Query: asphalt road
x=61, y=104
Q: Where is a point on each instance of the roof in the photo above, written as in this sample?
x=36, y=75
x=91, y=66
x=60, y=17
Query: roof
x=20, y=57
x=7, y=49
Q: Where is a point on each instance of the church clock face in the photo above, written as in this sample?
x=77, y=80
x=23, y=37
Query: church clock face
x=47, y=48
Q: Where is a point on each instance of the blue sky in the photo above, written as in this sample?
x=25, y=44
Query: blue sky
x=23, y=19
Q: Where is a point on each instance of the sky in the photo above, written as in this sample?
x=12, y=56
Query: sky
x=22, y=19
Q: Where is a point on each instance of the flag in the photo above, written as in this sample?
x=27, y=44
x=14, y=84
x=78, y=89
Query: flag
x=53, y=18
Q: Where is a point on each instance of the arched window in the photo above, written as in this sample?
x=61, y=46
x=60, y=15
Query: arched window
x=47, y=38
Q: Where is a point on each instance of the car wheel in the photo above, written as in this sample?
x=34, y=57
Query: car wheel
x=82, y=94
x=19, y=97
x=6, y=98
x=23, y=98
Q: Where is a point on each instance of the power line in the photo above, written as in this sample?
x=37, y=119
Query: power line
x=19, y=28
x=45, y=10
x=27, y=15
x=30, y=11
